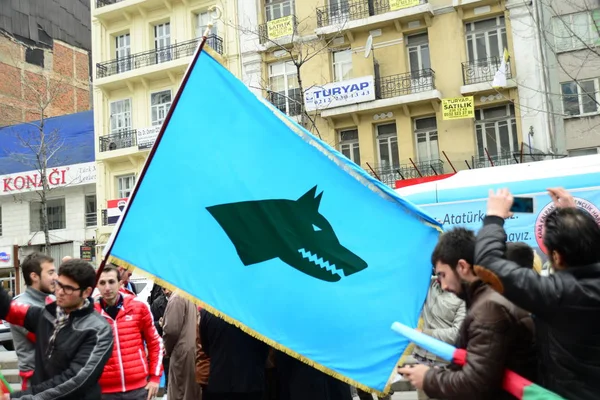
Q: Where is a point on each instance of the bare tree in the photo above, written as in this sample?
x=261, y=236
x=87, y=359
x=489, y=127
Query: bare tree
x=300, y=47
x=570, y=34
x=39, y=147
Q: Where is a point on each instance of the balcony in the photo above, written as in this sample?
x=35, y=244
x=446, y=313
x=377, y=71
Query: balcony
x=154, y=57
x=392, y=91
x=116, y=141
x=389, y=175
x=367, y=14
x=111, y=11
x=478, y=75
x=278, y=31
x=405, y=84
x=102, y=3
x=290, y=104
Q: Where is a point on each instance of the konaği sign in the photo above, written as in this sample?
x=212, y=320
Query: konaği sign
x=69, y=175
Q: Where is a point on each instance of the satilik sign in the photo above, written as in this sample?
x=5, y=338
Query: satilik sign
x=71, y=175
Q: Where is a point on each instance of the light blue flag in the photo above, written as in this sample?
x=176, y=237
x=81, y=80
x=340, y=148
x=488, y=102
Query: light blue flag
x=275, y=231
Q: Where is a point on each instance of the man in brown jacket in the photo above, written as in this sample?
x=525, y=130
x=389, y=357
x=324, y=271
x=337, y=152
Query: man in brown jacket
x=496, y=334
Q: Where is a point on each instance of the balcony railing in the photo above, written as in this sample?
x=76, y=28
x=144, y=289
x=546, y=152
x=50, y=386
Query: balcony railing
x=483, y=70
x=289, y=103
x=157, y=56
x=120, y=140
x=105, y=217
x=389, y=175
x=336, y=13
x=263, y=30
x=404, y=84
x=102, y=3
x=91, y=219
x=215, y=42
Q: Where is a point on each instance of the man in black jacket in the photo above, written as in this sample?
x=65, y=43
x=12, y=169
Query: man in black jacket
x=73, y=342
x=566, y=304
x=237, y=360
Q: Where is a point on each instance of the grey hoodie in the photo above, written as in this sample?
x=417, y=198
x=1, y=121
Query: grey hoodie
x=24, y=347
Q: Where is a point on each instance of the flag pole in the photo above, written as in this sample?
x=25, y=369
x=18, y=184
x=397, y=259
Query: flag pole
x=155, y=146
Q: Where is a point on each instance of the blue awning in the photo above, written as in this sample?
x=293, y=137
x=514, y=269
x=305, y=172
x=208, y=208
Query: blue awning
x=75, y=133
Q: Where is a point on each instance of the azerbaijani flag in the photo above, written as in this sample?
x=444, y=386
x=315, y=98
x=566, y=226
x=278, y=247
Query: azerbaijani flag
x=276, y=232
x=513, y=383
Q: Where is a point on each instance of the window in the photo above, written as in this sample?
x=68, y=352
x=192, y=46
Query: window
x=162, y=41
x=342, y=65
x=275, y=9
x=580, y=98
x=574, y=31
x=338, y=11
x=91, y=216
x=123, y=52
x=349, y=145
x=583, y=152
x=56, y=215
x=120, y=116
x=418, y=52
x=486, y=39
x=426, y=137
x=159, y=106
x=202, y=21
x=387, y=140
x=284, y=91
x=496, y=131
x=125, y=186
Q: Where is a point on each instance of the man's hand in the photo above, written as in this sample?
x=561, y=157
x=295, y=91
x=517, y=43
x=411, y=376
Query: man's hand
x=499, y=203
x=152, y=388
x=561, y=198
x=415, y=374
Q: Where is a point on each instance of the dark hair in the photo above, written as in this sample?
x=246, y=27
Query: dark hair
x=574, y=234
x=520, y=253
x=33, y=263
x=454, y=245
x=80, y=271
x=112, y=267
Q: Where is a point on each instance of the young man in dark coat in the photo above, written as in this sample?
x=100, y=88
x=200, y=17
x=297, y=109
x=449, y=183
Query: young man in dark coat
x=496, y=333
x=566, y=304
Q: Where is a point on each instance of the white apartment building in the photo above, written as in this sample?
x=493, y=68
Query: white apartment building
x=72, y=207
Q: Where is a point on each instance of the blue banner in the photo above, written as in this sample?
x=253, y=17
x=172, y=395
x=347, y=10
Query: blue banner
x=273, y=230
x=521, y=227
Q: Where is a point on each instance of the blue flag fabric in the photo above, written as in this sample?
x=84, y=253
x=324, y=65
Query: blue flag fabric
x=275, y=231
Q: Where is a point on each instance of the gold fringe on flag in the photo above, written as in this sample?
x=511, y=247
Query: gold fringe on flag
x=254, y=334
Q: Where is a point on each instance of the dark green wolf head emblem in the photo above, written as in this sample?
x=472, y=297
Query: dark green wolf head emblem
x=292, y=230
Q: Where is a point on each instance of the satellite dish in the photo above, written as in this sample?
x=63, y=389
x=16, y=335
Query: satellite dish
x=368, y=46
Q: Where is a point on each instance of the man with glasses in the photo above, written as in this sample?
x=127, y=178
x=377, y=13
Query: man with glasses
x=73, y=342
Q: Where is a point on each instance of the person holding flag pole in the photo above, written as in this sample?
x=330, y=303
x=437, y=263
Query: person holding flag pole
x=512, y=383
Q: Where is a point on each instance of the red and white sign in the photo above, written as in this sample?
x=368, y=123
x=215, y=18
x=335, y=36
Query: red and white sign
x=114, y=210
x=69, y=175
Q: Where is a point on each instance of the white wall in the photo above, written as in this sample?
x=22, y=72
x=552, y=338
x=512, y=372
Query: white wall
x=15, y=218
x=527, y=57
x=247, y=18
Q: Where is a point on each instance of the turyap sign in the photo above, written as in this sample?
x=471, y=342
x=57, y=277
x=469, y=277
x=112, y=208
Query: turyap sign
x=69, y=175
x=338, y=94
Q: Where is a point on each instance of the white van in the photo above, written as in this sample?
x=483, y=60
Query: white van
x=461, y=199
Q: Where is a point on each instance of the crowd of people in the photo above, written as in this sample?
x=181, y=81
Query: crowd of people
x=80, y=339
x=544, y=328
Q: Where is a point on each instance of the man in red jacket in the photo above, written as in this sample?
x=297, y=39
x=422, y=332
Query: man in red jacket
x=127, y=371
